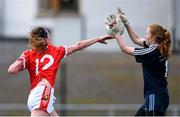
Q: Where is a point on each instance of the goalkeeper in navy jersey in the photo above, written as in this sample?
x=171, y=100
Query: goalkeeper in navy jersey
x=153, y=55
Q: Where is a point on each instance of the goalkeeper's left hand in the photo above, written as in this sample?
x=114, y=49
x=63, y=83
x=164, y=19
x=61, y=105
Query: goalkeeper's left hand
x=114, y=25
x=121, y=15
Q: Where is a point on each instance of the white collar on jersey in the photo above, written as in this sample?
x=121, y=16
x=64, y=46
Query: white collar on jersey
x=153, y=44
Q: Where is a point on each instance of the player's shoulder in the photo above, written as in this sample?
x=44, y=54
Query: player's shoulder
x=50, y=46
x=57, y=47
x=53, y=48
x=62, y=47
x=145, y=50
x=28, y=51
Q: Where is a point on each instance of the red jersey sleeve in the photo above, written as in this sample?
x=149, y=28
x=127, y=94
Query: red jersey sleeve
x=62, y=51
x=25, y=58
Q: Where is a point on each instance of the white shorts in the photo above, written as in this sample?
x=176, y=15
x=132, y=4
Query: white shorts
x=41, y=97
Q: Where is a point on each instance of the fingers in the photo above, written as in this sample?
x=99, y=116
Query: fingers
x=119, y=10
x=104, y=38
x=115, y=24
x=110, y=21
x=106, y=22
x=122, y=16
x=109, y=37
x=103, y=42
x=111, y=18
x=120, y=13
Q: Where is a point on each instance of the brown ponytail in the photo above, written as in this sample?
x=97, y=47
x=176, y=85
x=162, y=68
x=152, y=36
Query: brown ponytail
x=163, y=38
x=37, y=39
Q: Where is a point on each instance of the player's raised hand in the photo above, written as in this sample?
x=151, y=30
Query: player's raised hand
x=114, y=25
x=110, y=20
x=121, y=15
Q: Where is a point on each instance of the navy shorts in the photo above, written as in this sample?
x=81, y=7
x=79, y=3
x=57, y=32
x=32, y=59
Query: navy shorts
x=155, y=103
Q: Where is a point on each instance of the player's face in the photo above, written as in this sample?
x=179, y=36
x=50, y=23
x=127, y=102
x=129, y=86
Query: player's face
x=149, y=36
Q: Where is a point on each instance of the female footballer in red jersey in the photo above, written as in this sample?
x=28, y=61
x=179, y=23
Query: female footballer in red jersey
x=42, y=62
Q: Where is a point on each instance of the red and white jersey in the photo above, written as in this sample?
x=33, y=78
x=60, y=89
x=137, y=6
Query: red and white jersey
x=43, y=65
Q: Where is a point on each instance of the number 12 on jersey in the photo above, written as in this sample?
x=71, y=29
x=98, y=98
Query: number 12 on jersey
x=47, y=65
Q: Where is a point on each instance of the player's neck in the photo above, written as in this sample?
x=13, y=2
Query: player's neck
x=39, y=51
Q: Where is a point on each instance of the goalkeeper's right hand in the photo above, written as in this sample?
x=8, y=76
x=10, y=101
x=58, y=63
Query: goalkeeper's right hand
x=114, y=25
x=122, y=16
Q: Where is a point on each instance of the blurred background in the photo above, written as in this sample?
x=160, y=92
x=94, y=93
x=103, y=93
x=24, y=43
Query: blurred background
x=99, y=80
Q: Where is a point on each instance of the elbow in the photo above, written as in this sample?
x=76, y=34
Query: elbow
x=134, y=41
x=79, y=46
x=11, y=70
x=15, y=67
x=123, y=50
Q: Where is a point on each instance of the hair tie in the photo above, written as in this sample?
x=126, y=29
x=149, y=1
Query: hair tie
x=46, y=33
x=165, y=30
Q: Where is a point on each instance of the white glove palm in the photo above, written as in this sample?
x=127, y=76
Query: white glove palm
x=114, y=25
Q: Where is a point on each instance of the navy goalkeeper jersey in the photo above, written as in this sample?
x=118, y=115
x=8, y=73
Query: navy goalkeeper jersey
x=155, y=69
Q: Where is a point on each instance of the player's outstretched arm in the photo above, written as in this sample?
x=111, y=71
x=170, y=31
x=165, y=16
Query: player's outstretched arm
x=133, y=35
x=85, y=43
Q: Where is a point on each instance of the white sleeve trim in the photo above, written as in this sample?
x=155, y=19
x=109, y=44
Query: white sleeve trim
x=65, y=51
x=144, y=51
x=24, y=62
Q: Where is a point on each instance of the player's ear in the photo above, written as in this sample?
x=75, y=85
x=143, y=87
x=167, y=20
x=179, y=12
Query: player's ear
x=47, y=40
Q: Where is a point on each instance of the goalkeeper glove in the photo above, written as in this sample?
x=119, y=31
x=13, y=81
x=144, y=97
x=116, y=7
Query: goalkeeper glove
x=114, y=25
x=122, y=15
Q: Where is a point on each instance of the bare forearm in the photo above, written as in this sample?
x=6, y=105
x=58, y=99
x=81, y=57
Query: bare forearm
x=15, y=67
x=85, y=43
x=133, y=35
x=126, y=49
x=81, y=45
